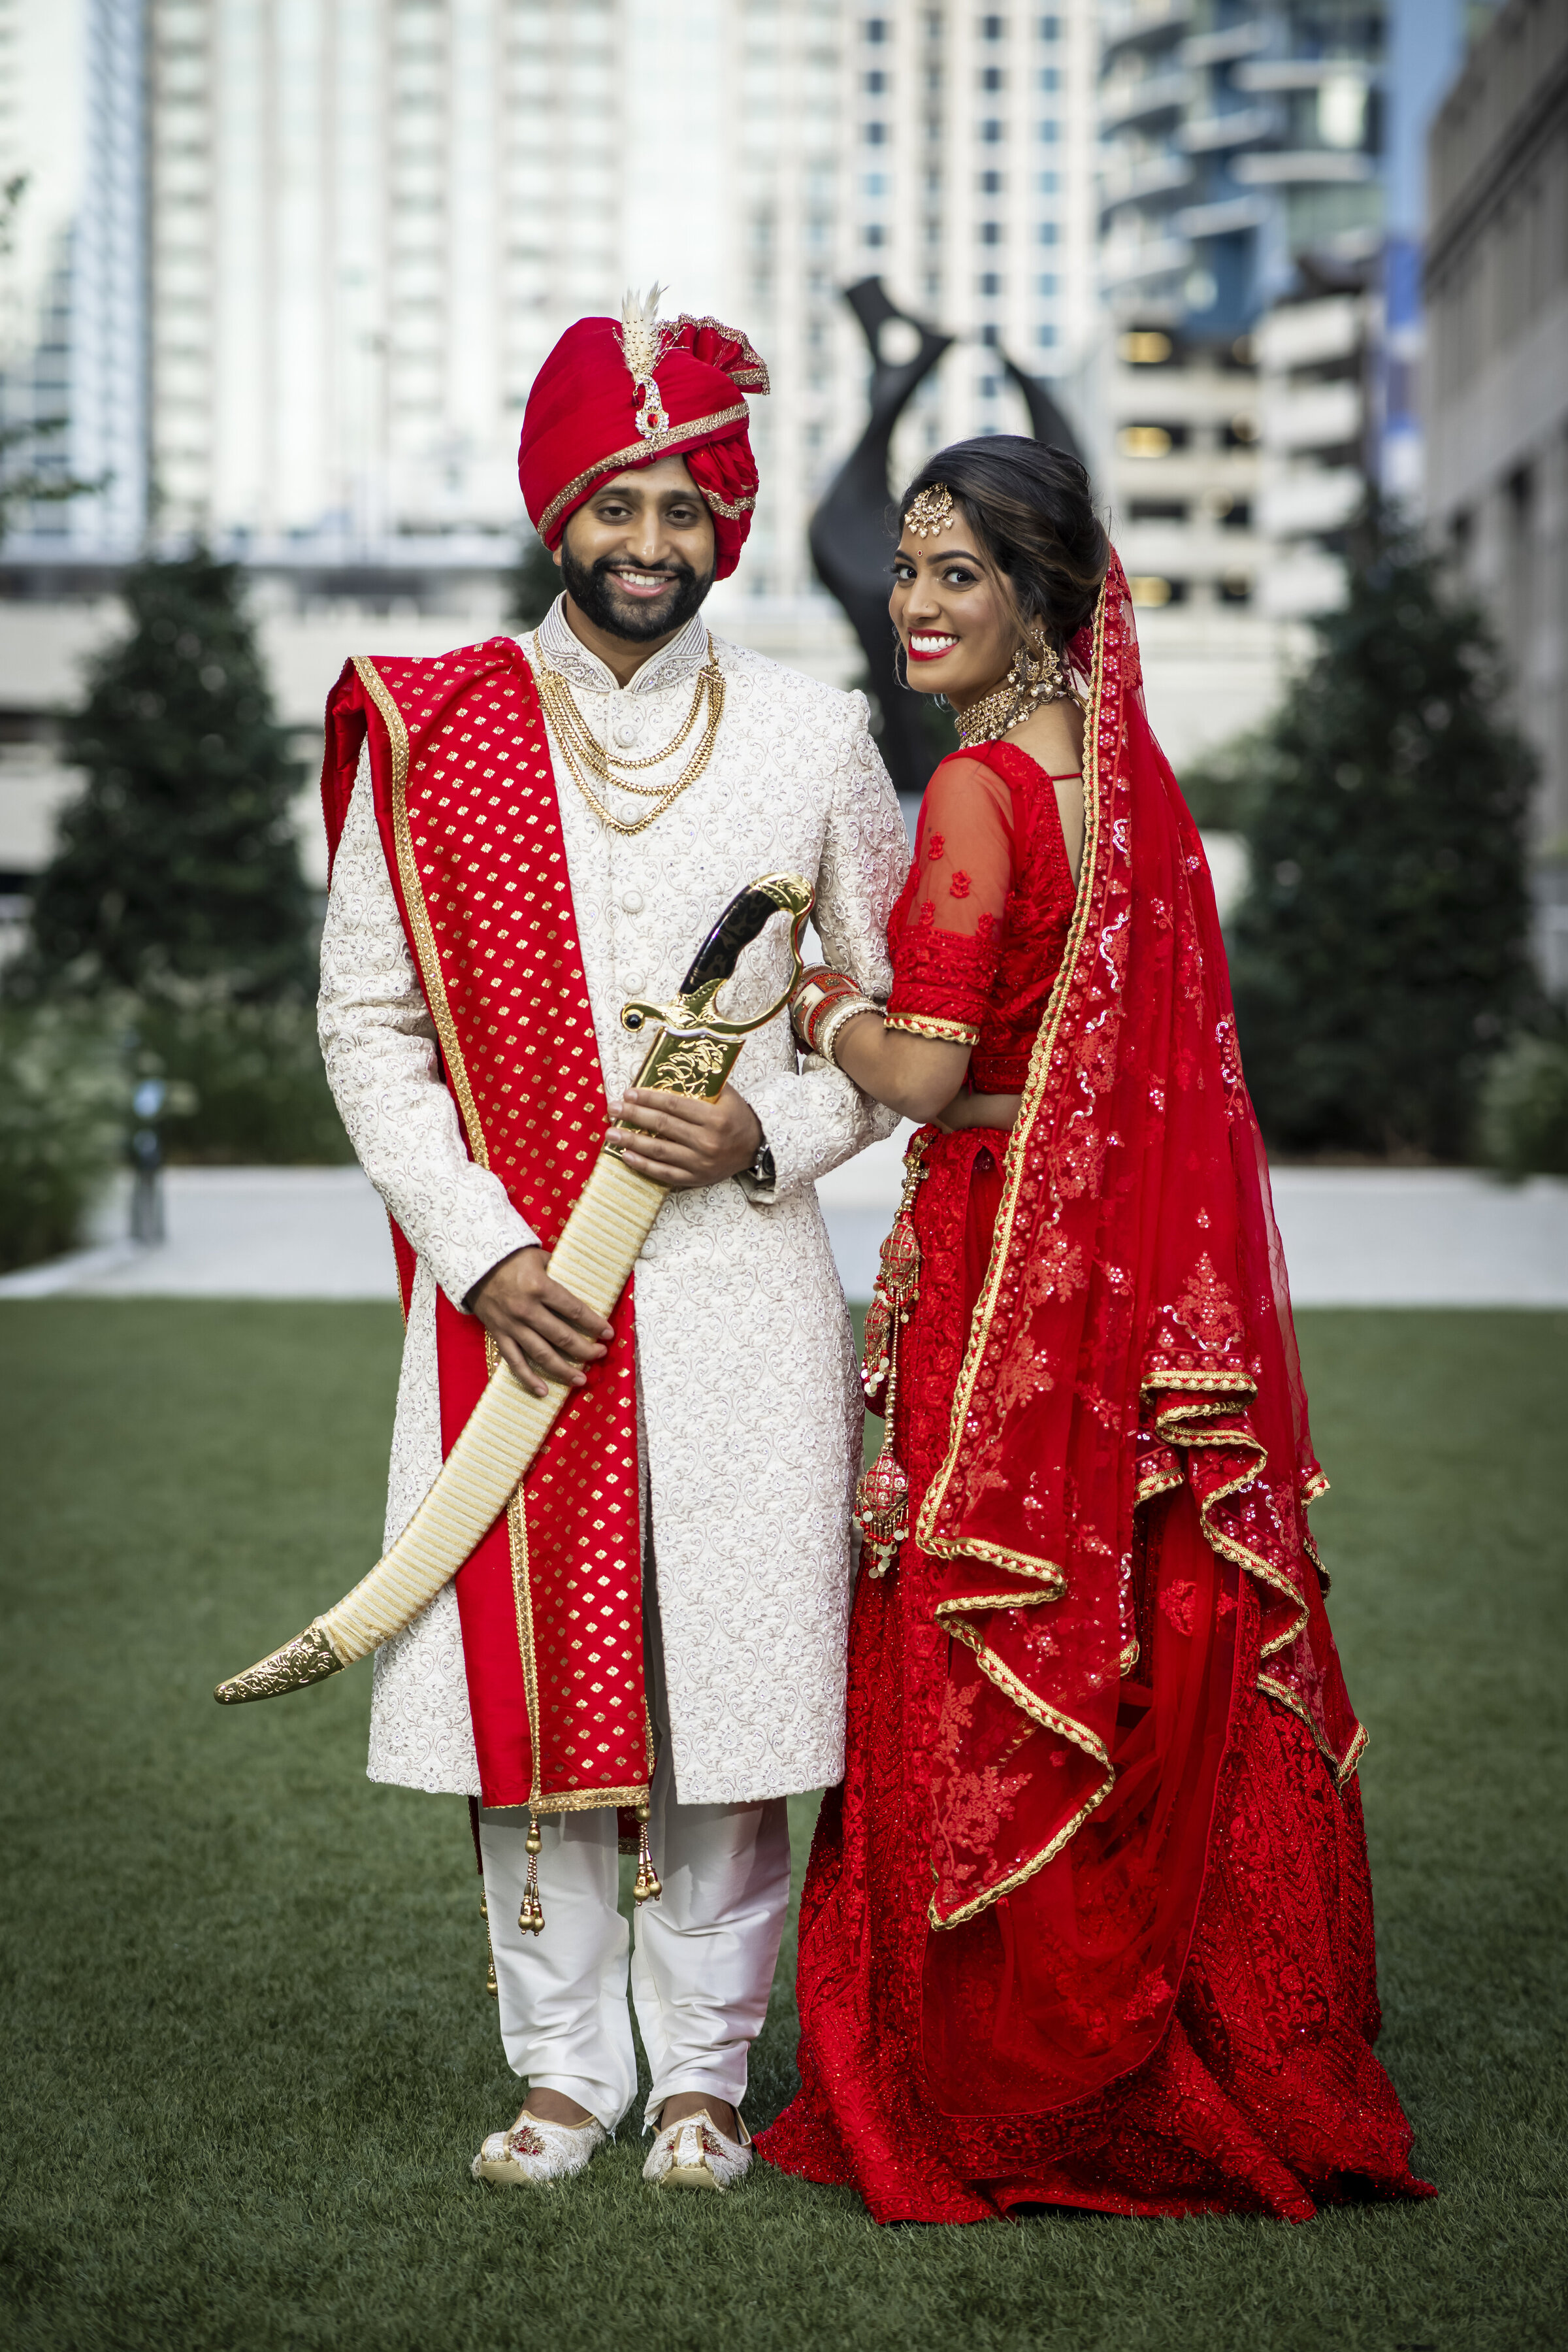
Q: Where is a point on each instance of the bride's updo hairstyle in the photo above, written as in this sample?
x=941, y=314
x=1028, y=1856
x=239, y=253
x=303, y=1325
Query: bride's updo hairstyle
x=1031, y=509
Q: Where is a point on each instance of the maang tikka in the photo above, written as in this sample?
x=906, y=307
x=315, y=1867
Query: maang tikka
x=931, y=512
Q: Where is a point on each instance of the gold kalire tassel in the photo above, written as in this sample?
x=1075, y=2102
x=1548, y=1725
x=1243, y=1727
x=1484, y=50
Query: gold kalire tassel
x=491, y=1987
x=882, y=1497
x=530, y=1916
x=648, y=1886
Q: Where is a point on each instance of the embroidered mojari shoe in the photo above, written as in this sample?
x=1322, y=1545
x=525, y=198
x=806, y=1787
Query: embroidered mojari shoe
x=695, y=2154
x=533, y=2151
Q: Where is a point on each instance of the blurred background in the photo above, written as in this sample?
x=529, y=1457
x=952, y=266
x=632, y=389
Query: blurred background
x=276, y=274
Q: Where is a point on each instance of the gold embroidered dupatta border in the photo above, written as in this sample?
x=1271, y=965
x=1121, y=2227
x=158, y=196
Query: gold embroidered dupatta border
x=1175, y=1424
x=452, y=1056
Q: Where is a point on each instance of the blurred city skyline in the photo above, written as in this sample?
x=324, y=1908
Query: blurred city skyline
x=285, y=269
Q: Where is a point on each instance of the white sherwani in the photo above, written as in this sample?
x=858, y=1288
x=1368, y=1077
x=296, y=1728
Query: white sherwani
x=748, y=1389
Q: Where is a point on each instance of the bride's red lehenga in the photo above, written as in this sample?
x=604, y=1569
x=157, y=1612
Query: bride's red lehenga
x=1088, y=1921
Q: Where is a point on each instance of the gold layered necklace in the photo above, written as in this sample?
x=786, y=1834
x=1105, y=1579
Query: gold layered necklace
x=586, y=758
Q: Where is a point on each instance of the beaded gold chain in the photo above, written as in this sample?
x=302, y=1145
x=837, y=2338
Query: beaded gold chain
x=582, y=753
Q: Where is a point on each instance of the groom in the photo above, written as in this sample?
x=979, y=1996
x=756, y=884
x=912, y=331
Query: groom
x=528, y=835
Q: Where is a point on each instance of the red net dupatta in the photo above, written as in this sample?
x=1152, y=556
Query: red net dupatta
x=1119, y=1524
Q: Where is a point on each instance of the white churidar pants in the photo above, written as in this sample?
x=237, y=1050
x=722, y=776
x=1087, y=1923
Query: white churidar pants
x=704, y=1952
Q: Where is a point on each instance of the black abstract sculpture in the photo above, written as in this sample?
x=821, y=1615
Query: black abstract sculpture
x=851, y=536
x=851, y=539
x=1046, y=421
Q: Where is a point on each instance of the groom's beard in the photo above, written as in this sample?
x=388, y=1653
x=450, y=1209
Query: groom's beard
x=594, y=591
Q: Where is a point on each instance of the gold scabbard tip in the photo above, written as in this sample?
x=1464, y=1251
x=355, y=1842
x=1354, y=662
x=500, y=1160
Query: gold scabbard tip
x=308, y=1658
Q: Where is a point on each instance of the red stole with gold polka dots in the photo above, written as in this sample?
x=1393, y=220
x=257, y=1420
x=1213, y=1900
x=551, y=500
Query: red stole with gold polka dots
x=551, y=1602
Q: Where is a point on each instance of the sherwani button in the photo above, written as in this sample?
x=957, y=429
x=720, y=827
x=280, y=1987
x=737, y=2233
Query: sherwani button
x=627, y=732
x=632, y=901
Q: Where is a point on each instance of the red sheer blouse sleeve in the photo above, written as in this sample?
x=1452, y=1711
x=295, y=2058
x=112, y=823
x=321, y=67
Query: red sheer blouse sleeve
x=947, y=930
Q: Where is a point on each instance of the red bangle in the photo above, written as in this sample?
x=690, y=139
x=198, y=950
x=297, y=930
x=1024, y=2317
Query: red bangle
x=823, y=991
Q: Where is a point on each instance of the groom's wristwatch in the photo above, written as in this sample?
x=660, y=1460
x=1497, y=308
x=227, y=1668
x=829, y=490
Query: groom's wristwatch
x=762, y=1171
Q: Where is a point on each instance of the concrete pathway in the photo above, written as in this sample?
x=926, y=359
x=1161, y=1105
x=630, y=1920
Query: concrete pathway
x=1354, y=1237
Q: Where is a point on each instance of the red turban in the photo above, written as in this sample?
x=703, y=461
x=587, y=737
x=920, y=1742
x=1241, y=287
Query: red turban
x=616, y=393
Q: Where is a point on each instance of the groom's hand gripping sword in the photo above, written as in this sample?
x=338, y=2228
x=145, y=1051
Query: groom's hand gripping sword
x=692, y=1053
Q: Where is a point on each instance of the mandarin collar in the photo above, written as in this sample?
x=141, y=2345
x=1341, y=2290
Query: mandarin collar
x=673, y=665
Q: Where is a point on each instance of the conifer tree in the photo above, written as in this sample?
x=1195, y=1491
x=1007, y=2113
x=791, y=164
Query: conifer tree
x=180, y=857
x=1380, y=955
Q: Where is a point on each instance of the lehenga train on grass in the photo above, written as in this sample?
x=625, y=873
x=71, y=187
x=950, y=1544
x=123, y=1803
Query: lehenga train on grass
x=1088, y=1922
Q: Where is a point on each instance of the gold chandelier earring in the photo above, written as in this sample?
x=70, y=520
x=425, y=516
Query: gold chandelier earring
x=1036, y=677
x=1036, y=674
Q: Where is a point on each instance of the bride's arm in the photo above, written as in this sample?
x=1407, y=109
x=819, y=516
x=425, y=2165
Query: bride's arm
x=915, y=1075
x=917, y=1059
x=980, y=1110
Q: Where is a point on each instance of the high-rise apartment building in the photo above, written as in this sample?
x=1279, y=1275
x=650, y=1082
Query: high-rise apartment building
x=371, y=218
x=1497, y=421
x=72, y=314
x=1242, y=139
x=970, y=190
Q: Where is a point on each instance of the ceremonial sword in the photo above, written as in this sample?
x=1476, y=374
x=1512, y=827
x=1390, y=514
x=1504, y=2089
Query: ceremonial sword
x=692, y=1053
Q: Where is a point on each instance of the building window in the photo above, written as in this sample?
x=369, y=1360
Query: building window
x=1047, y=233
x=990, y=183
x=1046, y=283
x=1045, y=336
x=873, y=232
x=1047, y=183
x=874, y=183
x=1050, y=28
x=933, y=285
x=991, y=131
x=993, y=28
x=1048, y=132
x=991, y=281
x=1150, y=440
x=874, y=133
x=875, y=82
x=1050, y=77
x=992, y=77
x=990, y=231
x=874, y=30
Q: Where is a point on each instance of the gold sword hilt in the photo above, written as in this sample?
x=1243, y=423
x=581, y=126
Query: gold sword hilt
x=698, y=1046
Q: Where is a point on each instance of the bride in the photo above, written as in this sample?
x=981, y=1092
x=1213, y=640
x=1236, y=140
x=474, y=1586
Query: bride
x=1088, y=1922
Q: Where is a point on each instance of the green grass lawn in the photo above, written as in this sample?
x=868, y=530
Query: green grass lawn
x=248, y=2051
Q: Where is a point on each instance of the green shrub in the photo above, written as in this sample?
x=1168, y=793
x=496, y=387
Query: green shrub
x=1380, y=955
x=1524, y=1109
x=65, y=1094
x=254, y=1072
